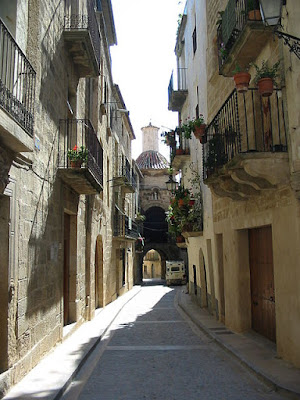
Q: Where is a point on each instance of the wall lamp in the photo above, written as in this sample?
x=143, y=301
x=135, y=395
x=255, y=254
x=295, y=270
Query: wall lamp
x=171, y=184
x=271, y=14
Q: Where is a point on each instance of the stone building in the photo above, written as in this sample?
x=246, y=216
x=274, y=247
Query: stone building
x=244, y=266
x=155, y=199
x=67, y=232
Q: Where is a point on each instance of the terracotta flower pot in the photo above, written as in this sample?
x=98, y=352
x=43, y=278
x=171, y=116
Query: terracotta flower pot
x=179, y=152
x=76, y=164
x=180, y=203
x=265, y=87
x=179, y=239
x=241, y=80
x=199, y=131
x=254, y=15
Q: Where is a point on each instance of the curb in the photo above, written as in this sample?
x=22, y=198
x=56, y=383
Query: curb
x=251, y=367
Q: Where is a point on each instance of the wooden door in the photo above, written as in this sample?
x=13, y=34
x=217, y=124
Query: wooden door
x=262, y=282
x=66, y=267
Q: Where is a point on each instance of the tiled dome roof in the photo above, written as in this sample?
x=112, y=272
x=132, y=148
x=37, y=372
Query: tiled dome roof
x=151, y=160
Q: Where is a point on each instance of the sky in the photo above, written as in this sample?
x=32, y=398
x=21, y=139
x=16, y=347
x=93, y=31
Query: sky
x=143, y=60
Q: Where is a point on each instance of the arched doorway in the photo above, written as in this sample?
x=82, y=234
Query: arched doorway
x=152, y=265
x=99, y=273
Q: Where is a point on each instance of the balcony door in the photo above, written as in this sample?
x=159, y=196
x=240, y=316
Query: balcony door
x=262, y=282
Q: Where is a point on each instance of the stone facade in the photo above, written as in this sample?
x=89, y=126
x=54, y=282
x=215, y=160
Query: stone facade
x=256, y=193
x=67, y=236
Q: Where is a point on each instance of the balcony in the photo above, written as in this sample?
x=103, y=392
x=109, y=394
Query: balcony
x=241, y=36
x=17, y=94
x=180, y=151
x=124, y=227
x=123, y=176
x=177, y=91
x=246, y=146
x=87, y=178
x=82, y=37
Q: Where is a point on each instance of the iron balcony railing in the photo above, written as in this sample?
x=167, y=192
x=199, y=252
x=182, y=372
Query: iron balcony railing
x=123, y=170
x=87, y=22
x=80, y=132
x=125, y=227
x=17, y=81
x=235, y=17
x=179, y=84
x=181, y=144
x=245, y=123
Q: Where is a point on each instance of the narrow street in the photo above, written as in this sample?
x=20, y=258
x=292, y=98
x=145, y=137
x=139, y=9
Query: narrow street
x=153, y=351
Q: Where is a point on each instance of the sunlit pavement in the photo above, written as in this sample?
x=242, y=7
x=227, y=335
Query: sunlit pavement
x=152, y=351
x=143, y=346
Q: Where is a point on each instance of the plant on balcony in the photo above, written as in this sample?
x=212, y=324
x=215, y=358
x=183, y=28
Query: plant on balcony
x=168, y=138
x=196, y=126
x=241, y=79
x=77, y=156
x=253, y=10
x=216, y=156
x=265, y=77
x=140, y=217
x=223, y=52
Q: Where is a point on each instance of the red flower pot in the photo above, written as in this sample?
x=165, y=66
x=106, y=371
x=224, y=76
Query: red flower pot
x=241, y=80
x=265, y=87
x=199, y=131
x=180, y=239
x=179, y=152
x=180, y=202
x=76, y=164
x=254, y=15
x=191, y=202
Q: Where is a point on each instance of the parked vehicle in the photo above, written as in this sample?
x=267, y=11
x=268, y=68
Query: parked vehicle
x=175, y=273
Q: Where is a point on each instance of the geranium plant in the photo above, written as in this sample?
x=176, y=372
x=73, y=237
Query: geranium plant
x=190, y=126
x=78, y=154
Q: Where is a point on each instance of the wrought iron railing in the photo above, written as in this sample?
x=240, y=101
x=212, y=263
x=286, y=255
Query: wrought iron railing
x=179, y=84
x=124, y=226
x=80, y=132
x=87, y=22
x=181, y=144
x=245, y=123
x=17, y=81
x=123, y=170
x=234, y=19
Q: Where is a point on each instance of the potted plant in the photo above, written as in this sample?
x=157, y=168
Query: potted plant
x=241, y=79
x=168, y=138
x=197, y=126
x=77, y=156
x=216, y=156
x=253, y=10
x=140, y=217
x=265, y=77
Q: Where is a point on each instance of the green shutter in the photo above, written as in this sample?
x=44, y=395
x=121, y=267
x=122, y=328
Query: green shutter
x=228, y=21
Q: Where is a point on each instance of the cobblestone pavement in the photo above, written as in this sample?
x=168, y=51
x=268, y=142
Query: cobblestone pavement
x=153, y=351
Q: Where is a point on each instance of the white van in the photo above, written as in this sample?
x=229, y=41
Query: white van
x=175, y=273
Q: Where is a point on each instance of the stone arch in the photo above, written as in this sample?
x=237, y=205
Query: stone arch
x=167, y=251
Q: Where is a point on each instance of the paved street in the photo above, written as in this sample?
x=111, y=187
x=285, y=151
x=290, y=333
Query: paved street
x=152, y=351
